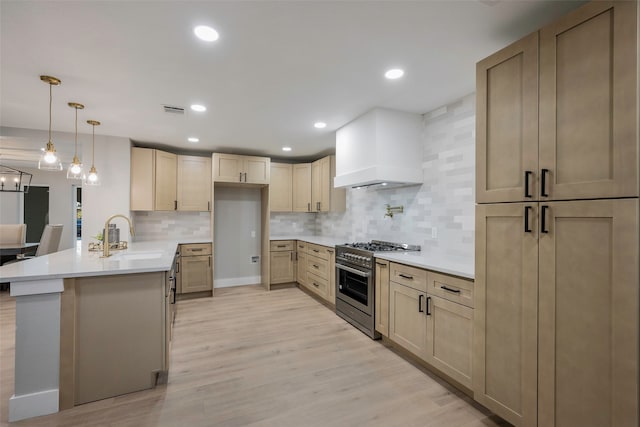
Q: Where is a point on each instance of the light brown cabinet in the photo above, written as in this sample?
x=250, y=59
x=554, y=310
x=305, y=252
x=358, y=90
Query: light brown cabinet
x=281, y=187
x=162, y=181
x=194, y=268
x=282, y=259
x=315, y=269
x=235, y=168
x=324, y=197
x=556, y=308
x=584, y=111
x=302, y=187
x=381, y=313
x=407, y=320
x=425, y=316
x=301, y=263
x=450, y=338
x=153, y=180
x=194, y=183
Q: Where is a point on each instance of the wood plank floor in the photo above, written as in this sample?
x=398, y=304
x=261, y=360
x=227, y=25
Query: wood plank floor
x=248, y=357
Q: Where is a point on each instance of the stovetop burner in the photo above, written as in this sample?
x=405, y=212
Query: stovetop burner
x=380, y=246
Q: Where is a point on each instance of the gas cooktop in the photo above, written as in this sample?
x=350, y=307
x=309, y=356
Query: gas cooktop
x=380, y=246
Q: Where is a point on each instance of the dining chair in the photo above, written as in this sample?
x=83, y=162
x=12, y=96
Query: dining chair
x=13, y=233
x=50, y=239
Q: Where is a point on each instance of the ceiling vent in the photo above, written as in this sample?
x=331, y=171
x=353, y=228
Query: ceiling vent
x=173, y=109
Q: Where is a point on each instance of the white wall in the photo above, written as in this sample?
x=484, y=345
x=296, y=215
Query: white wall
x=113, y=163
x=442, y=206
x=112, y=160
x=237, y=228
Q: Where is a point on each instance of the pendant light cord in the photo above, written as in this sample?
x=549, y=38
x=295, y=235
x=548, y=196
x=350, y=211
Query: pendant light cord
x=50, y=103
x=75, y=153
x=93, y=146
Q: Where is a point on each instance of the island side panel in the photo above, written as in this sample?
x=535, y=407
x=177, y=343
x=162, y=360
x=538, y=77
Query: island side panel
x=37, y=352
x=119, y=328
x=67, y=344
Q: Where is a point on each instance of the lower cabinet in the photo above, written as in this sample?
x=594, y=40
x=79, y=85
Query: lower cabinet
x=382, y=297
x=194, y=268
x=282, y=262
x=301, y=268
x=424, y=316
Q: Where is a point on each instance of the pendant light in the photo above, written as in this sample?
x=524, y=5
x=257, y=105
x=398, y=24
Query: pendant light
x=75, y=168
x=49, y=160
x=92, y=178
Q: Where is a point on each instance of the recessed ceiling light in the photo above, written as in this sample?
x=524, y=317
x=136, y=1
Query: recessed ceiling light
x=192, y=139
x=205, y=33
x=199, y=108
x=320, y=125
x=286, y=148
x=394, y=73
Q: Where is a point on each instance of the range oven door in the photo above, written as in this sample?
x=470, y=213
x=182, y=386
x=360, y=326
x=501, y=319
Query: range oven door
x=355, y=287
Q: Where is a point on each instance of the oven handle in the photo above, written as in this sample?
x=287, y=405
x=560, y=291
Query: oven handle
x=353, y=270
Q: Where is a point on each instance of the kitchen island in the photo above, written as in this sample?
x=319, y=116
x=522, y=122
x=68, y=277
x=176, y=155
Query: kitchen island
x=88, y=327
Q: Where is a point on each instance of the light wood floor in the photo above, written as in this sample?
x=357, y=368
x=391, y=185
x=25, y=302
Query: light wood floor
x=253, y=358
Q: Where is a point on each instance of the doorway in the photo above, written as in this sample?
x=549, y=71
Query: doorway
x=36, y=212
x=77, y=211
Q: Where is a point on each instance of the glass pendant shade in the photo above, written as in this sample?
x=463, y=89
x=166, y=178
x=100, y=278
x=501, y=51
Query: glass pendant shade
x=49, y=160
x=75, y=167
x=92, y=178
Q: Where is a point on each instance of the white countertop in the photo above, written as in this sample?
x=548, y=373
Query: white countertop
x=318, y=240
x=140, y=257
x=462, y=267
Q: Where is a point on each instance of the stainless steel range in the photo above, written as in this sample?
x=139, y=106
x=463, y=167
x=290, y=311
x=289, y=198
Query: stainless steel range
x=355, y=281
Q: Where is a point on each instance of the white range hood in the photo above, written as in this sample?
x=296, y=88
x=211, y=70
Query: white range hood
x=380, y=147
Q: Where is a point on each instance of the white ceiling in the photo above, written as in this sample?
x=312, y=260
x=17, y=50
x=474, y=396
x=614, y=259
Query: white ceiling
x=278, y=66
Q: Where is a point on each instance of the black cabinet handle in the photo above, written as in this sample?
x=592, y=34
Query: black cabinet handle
x=175, y=205
x=527, y=209
x=543, y=220
x=405, y=276
x=420, y=310
x=428, y=311
x=457, y=291
x=527, y=192
x=381, y=265
x=543, y=183
x=177, y=267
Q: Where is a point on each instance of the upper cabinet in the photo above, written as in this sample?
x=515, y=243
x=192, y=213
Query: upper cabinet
x=280, y=187
x=311, y=185
x=324, y=196
x=302, y=187
x=241, y=169
x=194, y=183
x=162, y=181
x=153, y=180
x=574, y=136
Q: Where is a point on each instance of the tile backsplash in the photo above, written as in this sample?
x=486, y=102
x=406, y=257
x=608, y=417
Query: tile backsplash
x=286, y=223
x=160, y=225
x=438, y=215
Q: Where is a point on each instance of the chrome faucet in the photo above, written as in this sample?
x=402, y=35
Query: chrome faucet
x=105, y=237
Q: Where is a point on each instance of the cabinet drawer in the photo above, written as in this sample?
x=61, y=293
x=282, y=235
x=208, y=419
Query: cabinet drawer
x=282, y=245
x=318, y=266
x=319, y=251
x=450, y=288
x=415, y=278
x=317, y=284
x=301, y=247
x=193, y=249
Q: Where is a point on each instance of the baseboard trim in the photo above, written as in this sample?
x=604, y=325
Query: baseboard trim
x=33, y=405
x=237, y=281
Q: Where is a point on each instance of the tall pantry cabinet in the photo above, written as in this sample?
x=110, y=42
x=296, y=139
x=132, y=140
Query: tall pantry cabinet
x=556, y=317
